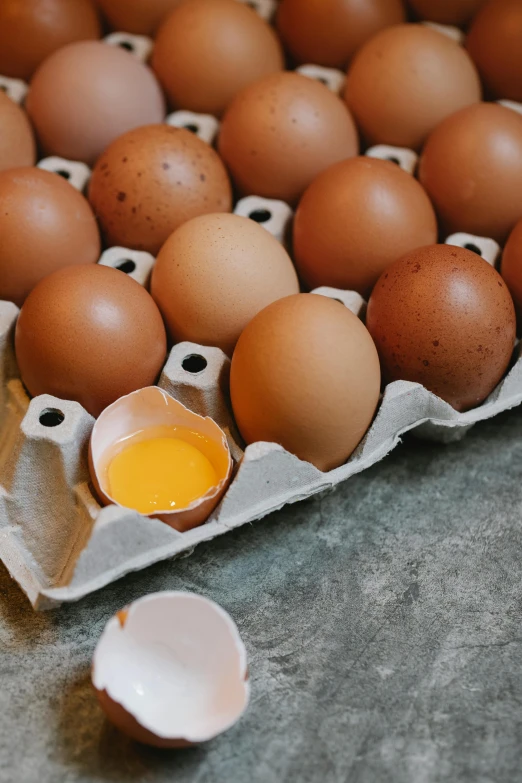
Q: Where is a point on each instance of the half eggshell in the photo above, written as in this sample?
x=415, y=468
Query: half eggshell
x=146, y=409
x=170, y=670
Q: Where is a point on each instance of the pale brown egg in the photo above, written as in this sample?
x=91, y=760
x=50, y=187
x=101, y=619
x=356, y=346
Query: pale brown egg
x=405, y=81
x=511, y=267
x=355, y=219
x=90, y=334
x=86, y=95
x=455, y=12
x=330, y=32
x=441, y=316
x=153, y=179
x=281, y=132
x=17, y=146
x=305, y=374
x=495, y=44
x=141, y=17
x=208, y=50
x=214, y=274
x=31, y=30
x=45, y=225
x=471, y=167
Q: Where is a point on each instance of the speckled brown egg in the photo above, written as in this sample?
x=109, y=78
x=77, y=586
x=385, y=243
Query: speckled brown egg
x=511, y=267
x=86, y=95
x=141, y=17
x=214, y=274
x=45, y=224
x=443, y=317
x=495, y=44
x=207, y=50
x=31, y=30
x=355, y=219
x=17, y=146
x=90, y=334
x=407, y=79
x=330, y=32
x=456, y=12
x=471, y=167
x=153, y=179
x=305, y=374
x=281, y=132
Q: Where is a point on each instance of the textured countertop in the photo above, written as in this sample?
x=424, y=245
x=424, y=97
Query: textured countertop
x=382, y=622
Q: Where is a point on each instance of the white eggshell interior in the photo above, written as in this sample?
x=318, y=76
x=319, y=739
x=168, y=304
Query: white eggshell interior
x=177, y=665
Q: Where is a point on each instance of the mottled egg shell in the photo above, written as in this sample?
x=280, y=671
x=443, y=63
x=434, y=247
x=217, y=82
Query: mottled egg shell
x=153, y=179
x=330, y=32
x=355, y=219
x=208, y=50
x=441, y=316
x=86, y=95
x=214, y=274
x=456, y=12
x=31, y=30
x=305, y=374
x=45, y=225
x=141, y=17
x=495, y=44
x=90, y=334
x=281, y=132
x=511, y=267
x=471, y=167
x=407, y=79
x=17, y=147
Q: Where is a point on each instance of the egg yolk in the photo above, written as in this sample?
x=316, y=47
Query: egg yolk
x=160, y=474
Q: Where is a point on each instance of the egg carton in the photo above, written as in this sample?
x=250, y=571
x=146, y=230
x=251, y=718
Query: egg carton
x=60, y=545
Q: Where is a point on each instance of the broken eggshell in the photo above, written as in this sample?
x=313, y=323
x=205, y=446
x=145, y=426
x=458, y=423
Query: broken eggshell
x=170, y=670
x=148, y=408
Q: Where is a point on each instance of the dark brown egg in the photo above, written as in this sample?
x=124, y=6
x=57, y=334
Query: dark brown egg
x=456, y=12
x=45, y=225
x=17, y=146
x=471, y=167
x=355, y=219
x=441, y=316
x=407, y=79
x=305, y=374
x=141, y=17
x=90, y=334
x=281, y=132
x=330, y=32
x=151, y=180
x=31, y=30
x=511, y=267
x=208, y=50
x=495, y=44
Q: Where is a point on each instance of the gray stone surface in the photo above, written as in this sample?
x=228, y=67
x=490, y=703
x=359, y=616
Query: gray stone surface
x=382, y=621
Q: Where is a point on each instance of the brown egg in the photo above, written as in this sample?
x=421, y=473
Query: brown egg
x=90, y=334
x=407, y=79
x=511, y=267
x=86, y=95
x=441, y=316
x=330, y=32
x=17, y=147
x=45, y=225
x=495, y=44
x=141, y=17
x=151, y=180
x=208, y=50
x=456, y=12
x=214, y=274
x=471, y=168
x=355, y=219
x=31, y=30
x=281, y=132
x=305, y=374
